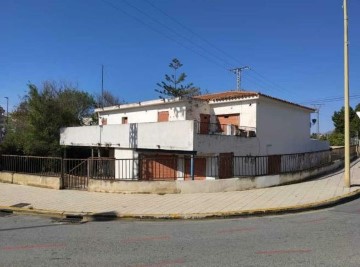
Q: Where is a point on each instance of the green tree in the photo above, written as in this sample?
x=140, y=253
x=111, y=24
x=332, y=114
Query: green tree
x=174, y=86
x=337, y=137
x=35, y=124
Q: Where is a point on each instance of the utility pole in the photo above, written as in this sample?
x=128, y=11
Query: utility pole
x=102, y=86
x=346, y=98
x=7, y=110
x=238, y=71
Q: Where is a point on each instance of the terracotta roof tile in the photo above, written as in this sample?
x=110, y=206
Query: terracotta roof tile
x=227, y=95
x=232, y=95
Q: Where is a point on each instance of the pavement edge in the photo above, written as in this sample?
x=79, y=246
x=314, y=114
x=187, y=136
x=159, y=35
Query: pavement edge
x=92, y=216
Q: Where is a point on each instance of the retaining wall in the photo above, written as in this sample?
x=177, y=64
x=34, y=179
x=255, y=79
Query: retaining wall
x=30, y=179
x=207, y=186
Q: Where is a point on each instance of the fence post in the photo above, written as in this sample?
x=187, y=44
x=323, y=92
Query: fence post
x=62, y=174
x=192, y=167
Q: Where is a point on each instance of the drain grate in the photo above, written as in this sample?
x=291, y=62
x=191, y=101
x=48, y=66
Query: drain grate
x=69, y=219
x=20, y=205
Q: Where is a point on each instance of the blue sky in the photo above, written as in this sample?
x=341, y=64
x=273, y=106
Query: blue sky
x=295, y=48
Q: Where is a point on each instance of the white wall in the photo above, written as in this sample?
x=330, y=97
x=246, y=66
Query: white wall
x=246, y=109
x=177, y=111
x=175, y=135
x=284, y=129
x=214, y=144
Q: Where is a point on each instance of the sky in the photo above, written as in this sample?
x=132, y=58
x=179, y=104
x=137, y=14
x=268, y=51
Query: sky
x=294, y=48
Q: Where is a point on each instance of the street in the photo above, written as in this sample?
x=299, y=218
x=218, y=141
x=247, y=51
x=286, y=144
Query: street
x=328, y=237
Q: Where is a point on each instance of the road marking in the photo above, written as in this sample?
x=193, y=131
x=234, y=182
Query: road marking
x=38, y=246
x=233, y=230
x=161, y=263
x=272, y=252
x=149, y=238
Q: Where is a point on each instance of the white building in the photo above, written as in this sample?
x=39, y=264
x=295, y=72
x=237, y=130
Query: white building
x=238, y=123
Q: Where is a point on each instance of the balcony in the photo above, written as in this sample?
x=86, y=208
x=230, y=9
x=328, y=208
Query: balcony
x=224, y=129
x=173, y=135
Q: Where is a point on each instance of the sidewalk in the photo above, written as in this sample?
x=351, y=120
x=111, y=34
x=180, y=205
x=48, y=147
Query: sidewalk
x=318, y=193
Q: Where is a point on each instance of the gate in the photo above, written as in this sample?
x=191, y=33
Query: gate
x=75, y=174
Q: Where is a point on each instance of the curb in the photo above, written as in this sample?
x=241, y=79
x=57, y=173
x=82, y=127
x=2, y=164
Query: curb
x=106, y=216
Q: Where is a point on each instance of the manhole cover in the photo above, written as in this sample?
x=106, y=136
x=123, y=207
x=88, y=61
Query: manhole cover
x=20, y=205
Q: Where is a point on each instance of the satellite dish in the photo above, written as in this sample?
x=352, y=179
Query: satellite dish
x=358, y=113
x=313, y=121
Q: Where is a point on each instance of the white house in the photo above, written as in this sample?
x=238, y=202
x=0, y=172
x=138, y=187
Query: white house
x=238, y=123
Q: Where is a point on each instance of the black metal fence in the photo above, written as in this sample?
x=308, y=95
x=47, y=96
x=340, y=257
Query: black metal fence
x=76, y=172
x=45, y=166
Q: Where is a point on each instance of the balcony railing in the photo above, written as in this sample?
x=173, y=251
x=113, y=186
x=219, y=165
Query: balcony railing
x=224, y=129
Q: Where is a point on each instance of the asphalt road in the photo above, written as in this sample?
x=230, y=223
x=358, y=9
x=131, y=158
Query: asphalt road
x=320, y=238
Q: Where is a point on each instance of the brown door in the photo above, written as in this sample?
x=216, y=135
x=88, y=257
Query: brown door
x=163, y=116
x=274, y=164
x=199, y=169
x=228, y=119
x=204, y=123
x=158, y=167
x=226, y=165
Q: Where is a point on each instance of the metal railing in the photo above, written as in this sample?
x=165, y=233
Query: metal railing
x=76, y=172
x=44, y=166
x=224, y=129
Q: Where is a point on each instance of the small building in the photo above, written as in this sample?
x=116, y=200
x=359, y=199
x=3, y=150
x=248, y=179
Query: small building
x=169, y=132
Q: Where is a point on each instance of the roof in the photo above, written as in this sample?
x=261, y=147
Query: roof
x=233, y=95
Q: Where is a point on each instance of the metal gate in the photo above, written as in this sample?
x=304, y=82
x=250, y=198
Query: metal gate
x=75, y=174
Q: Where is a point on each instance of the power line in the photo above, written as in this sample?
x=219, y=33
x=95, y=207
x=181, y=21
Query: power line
x=329, y=99
x=192, y=32
x=161, y=33
x=177, y=33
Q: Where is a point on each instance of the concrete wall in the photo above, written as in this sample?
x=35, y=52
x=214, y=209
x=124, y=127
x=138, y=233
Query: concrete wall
x=175, y=135
x=214, y=144
x=148, y=111
x=246, y=109
x=32, y=180
x=284, y=129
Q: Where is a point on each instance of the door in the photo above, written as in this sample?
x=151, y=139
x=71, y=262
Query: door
x=204, y=123
x=226, y=165
x=199, y=169
x=158, y=167
x=274, y=164
x=163, y=116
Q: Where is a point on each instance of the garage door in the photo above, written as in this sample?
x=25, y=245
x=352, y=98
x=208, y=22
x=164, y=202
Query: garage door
x=158, y=167
x=199, y=170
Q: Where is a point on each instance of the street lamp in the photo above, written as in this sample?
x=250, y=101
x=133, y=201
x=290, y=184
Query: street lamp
x=346, y=98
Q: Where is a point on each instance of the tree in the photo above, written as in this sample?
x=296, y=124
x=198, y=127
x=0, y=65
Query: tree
x=173, y=85
x=107, y=99
x=2, y=123
x=34, y=128
x=337, y=137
